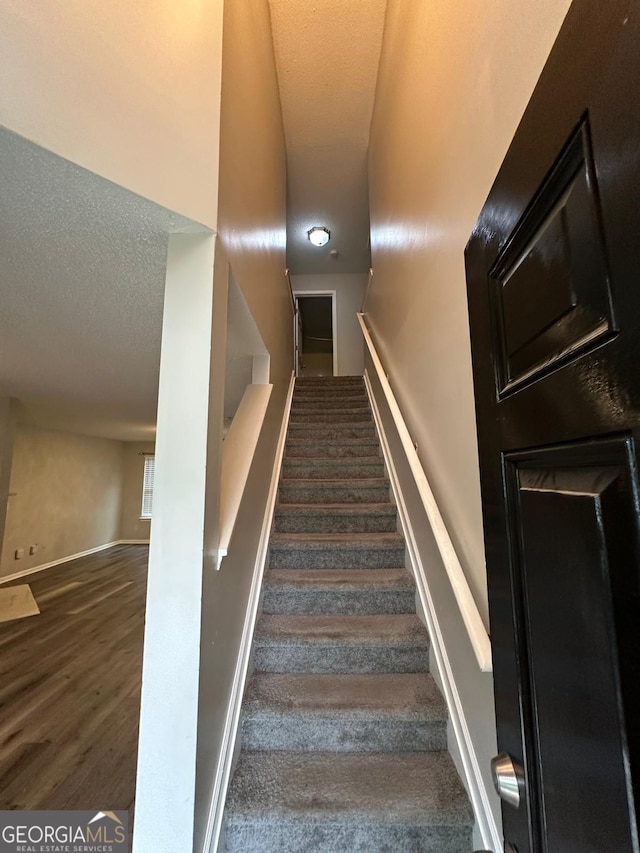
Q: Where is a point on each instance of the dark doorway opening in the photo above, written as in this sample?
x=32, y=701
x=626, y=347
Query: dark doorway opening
x=315, y=335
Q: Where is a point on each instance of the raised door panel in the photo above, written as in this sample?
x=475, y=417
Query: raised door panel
x=550, y=293
x=572, y=522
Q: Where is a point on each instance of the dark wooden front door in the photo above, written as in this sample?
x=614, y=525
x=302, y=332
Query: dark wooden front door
x=553, y=272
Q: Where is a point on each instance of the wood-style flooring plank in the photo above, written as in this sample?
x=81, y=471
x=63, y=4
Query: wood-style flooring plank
x=70, y=686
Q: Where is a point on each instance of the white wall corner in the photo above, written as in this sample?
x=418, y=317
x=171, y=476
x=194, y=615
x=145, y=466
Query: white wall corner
x=171, y=663
x=261, y=368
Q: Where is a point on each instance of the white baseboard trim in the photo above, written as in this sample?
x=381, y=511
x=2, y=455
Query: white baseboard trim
x=225, y=762
x=58, y=562
x=485, y=821
x=34, y=569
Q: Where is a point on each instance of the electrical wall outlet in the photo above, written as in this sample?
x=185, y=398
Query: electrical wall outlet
x=32, y=549
x=19, y=553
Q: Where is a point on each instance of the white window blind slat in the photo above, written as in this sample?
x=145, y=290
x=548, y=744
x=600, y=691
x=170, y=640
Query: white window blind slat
x=147, y=486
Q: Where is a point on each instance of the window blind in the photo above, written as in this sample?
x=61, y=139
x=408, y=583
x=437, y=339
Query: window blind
x=147, y=486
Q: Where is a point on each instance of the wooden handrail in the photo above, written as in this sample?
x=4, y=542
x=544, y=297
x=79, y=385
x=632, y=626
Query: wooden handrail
x=287, y=275
x=466, y=603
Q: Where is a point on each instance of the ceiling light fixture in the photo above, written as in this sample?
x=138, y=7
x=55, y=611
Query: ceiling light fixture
x=319, y=235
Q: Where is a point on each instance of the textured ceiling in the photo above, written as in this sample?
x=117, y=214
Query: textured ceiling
x=82, y=272
x=81, y=284
x=327, y=56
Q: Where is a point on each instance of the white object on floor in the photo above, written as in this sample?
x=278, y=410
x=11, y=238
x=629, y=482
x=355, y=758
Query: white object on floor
x=16, y=602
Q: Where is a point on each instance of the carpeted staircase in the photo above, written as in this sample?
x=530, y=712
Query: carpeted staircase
x=343, y=728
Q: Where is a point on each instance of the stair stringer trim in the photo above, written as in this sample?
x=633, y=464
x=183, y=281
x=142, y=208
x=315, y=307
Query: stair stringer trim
x=232, y=720
x=485, y=821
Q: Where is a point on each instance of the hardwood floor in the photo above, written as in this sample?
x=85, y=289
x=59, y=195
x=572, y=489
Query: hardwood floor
x=70, y=686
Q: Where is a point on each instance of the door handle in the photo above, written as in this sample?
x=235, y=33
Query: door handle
x=508, y=778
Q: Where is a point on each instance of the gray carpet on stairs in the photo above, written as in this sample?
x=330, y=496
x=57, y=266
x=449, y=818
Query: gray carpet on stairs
x=343, y=738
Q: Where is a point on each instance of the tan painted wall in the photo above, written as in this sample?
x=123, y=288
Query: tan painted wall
x=349, y=290
x=252, y=203
x=7, y=438
x=131, y=525
x=68, y=491
x=252, y=237
x=454, y=81
x=126, y=89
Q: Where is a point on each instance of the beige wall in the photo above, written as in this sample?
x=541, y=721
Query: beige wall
x=454, y=81
x=126, y=89
x=348, y=339
x=131, y=525
x=67, y=496
x=7, y=438
x=252, y=237
x=253, y=177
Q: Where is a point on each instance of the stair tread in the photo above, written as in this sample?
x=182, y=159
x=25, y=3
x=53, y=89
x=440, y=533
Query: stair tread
x=314, y=541
x=378, y=579
x=315, y=411
x=330, y=404
x=335, y=518
x=313, y=468
x=384, y=788
x=333, y=419
x=329, y=450
x=311, y=397
x=386, y=509
x=316, y=492
x=335, y=395
x=406, y=696
x=344, y=482
x=322, y=460
x=341, y=426
x=330, y=442
x=378, y=630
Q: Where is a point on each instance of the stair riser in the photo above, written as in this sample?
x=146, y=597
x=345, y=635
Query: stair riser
x=332, y=470
x=319, y=450
x=360, y=602
x=337, y=417
x=322, y=657
x=333, y=733
x=289, y=836
x=345, y=433
x=293, y=493
x=301, y=522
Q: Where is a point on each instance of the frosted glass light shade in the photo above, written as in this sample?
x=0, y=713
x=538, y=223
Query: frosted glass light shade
x=319, y=235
